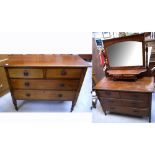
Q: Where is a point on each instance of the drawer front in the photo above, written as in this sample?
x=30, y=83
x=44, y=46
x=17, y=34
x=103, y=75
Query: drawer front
x=64, y=73
x=134, y=96
x=25, y=73
x=60, y=84
x=127, y=103
x=128, y=110
x=108, y=94
x=44, y=95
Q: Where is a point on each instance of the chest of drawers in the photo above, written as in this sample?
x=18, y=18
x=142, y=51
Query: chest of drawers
x=131, y=98
x=45, y=77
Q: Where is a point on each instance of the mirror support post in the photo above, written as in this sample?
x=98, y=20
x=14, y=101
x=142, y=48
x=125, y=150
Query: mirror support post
x=146, y=49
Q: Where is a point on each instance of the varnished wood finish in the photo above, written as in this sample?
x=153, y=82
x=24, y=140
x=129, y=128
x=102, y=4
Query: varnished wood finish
x=4, y=88
x=44, y=95
x=144, y=84
x=127, y=89
x=45, y=77
x=64, y=73
x=126, y=97
x=25, y=73
x=59, y=84
x=126, y=103
x=125, y=72
x=46, y=60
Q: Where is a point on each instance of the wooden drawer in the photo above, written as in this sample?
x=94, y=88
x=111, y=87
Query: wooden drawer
x=44, y=95
x=128, y=110
x=64, y=73
x=60, y=84
x=127, y=103
x=134, y=96
x=25, y=73
x=108, y=94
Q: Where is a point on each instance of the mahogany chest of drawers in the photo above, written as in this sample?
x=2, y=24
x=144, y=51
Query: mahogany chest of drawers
x=131, y=98
x=45, y=77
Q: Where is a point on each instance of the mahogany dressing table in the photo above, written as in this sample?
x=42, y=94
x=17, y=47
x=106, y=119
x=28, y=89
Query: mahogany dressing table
x=128, y=85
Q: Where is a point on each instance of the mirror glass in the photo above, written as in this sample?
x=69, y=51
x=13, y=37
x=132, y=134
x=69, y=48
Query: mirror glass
x=128, y=53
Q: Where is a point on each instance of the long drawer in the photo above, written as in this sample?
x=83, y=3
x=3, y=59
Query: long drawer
x=58, y=84
x=25, y=73
x=128, y=110
x=64, y=73
x=134, y=95
x=109, y=94
x=123, y=95
x=44, y=95
x=126, y=103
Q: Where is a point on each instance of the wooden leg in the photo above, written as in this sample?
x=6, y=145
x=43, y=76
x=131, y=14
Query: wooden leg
x=73, y=105
x=15, y=104
x=103, y=109
x=150, y=118
x=94, y=104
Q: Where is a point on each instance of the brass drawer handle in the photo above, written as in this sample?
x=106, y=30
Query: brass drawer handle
x=63, y=72
x=28, y=94
x=60, y=95
x=62, y=85
x=135, y=111
x=27, y=84
x=26, y=73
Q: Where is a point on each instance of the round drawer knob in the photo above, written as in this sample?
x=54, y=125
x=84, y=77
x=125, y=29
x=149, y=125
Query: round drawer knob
x=27, y=84
x=26, y=73
x=60, y=95
x=62, y=85
x=63, y=72
x=135, y=111
x=28, y=94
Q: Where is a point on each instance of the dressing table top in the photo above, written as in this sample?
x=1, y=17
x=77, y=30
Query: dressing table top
x=145, y=84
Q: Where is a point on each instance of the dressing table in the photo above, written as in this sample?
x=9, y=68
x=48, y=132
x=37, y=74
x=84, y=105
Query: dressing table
x=45, y=77
x=129, y=84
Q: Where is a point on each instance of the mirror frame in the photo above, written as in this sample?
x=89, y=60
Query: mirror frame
x=136, y=37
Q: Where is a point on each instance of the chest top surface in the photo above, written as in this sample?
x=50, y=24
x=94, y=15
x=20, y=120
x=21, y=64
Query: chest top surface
x=41, y=60
x=145, y=84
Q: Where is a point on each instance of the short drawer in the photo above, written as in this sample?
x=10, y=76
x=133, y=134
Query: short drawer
x=128, y=110
x=108, y=94
x=64, y=73
x=44, y=95
x=60, y=84
x=127, y=103
x=134, y=96
x=25, y=73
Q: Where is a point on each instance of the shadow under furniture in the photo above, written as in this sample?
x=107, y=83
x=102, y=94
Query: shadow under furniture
x=129, y=84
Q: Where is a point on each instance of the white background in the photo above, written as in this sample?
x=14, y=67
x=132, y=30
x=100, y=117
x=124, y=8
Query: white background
x=45, y=42
x=43, y=135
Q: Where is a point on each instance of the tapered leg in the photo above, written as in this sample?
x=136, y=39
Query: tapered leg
x=73, y=105
x=103, y=109
x=150, y=118
x=15, y=104
x=94, y=102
